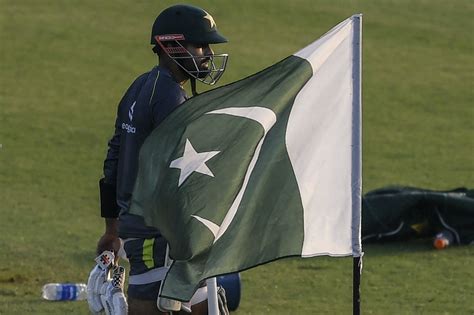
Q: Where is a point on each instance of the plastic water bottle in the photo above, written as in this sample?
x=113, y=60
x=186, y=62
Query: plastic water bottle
x=443, y=239
x=65, y=291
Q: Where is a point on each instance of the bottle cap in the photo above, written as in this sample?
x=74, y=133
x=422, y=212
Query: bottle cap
x=440, y=243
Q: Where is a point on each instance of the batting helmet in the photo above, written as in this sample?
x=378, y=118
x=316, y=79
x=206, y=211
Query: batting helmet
x=185, y=23
x=196, y=25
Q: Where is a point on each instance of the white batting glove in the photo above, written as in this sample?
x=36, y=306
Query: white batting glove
x=111, y=293
x=97, y=278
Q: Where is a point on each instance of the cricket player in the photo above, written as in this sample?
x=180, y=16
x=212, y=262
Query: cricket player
x=181, y=37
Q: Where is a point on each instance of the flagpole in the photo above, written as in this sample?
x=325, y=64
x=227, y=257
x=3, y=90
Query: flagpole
x=212, y=304
x=356, y=272
x=357, y=162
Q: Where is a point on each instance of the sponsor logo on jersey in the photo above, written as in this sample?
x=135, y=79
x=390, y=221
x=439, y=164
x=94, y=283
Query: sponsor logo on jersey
x=130, y=111
x=129, y=128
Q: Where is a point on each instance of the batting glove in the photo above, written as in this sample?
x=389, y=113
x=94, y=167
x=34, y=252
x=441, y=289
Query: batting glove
x=97, y=278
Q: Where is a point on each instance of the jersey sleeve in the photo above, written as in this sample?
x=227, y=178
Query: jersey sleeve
x=111, y=159
x=108, y=184
x=165, y=101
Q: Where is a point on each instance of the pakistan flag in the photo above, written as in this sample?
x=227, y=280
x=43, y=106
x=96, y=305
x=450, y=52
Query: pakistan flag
x=260, y=169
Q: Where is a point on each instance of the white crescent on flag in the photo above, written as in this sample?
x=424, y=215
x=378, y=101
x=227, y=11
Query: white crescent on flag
x=266, y=118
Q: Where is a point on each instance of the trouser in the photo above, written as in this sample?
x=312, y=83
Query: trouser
x=147, y=259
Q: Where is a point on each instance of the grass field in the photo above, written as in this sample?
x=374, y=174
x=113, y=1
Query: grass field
x=65, y=65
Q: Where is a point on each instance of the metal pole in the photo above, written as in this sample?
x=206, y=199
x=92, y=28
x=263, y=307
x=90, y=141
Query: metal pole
x=212, y=304
x=357, y=162
x=356, y=272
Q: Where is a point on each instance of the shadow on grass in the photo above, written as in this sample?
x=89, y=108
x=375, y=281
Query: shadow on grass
x=391, y=248
x=7, y=292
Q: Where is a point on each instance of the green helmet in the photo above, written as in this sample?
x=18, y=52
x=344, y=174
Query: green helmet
x=180, y=24
x=196, y=25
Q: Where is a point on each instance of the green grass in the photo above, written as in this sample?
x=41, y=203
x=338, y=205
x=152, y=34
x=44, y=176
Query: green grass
x=64, y=66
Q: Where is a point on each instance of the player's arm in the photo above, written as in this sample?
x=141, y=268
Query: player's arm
x=108, y=195
x=165, y=102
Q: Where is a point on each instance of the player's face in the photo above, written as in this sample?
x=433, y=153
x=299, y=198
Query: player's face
x=202, y=54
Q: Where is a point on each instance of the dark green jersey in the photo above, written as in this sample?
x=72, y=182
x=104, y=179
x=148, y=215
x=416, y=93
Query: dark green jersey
x=149, y=100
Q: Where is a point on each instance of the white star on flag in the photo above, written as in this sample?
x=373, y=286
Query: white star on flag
x=192, y=161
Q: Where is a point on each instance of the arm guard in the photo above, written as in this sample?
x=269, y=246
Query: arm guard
x=108, y=200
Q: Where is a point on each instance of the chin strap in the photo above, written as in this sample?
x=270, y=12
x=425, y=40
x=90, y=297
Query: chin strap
x=193, y=86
